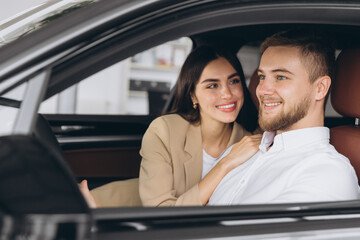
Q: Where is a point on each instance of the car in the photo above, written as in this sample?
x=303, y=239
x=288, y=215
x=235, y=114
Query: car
x=56, y=130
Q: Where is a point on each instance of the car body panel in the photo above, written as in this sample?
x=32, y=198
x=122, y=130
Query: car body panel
x=65, y=52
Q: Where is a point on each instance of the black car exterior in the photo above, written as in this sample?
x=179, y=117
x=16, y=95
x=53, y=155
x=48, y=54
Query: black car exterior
x=39, y=198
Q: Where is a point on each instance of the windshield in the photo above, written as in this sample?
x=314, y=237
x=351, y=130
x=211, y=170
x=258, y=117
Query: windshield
x=36, y=17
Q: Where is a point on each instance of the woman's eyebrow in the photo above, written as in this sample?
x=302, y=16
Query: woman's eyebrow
x=217, y=80
x=233, y=75
x=210, y=80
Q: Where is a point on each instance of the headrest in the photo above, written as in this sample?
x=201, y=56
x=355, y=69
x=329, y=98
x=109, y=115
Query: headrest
x=345, y=96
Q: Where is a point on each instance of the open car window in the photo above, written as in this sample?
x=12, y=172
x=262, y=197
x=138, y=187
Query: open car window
x=138, y=85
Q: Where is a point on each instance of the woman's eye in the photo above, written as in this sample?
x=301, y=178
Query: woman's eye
x=280, y=78
x=234, y=81
x=212, y=86
x=261, y=77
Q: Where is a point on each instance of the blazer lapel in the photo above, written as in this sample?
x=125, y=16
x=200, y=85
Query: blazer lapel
x=193, y=164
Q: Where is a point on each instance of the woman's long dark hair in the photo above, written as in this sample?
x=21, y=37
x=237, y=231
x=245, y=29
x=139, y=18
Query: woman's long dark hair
x=189, y=75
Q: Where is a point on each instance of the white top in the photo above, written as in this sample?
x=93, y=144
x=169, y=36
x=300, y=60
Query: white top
x=301, y=166
x=209, y=162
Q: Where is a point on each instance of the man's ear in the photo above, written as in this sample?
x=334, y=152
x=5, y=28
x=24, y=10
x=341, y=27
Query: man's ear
x=322, y=87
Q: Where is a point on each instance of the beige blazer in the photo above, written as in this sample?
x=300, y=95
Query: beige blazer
x=123, y=193
x=172, y=160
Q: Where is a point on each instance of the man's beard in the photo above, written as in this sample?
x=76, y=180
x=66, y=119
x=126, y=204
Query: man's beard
x=285, y=120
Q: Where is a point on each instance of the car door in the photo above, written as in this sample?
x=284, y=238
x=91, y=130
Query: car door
x=91, y=39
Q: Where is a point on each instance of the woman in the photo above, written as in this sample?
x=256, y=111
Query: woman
x=185, y=154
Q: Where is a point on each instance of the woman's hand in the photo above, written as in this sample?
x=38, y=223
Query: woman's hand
x=84, y=189
x=242, y=151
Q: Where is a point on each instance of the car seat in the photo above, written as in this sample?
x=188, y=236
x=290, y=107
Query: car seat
x=345, y=99
x=35, y=178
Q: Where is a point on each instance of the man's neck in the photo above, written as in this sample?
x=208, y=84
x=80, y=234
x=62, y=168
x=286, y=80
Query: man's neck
x=303, y=123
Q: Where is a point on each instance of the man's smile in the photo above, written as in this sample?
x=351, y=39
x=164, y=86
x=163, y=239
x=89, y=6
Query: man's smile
x=271, y=105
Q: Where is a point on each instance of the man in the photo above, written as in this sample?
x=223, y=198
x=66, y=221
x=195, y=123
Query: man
x=295, y=161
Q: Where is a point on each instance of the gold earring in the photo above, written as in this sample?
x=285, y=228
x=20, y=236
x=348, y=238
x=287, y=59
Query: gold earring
x=195, y=105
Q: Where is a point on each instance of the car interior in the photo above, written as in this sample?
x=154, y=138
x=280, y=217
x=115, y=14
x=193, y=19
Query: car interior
x=118, y=161
x=343, y=95
x=104, y=149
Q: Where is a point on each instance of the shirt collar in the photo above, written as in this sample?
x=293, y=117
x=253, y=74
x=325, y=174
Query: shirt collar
x=293, y=139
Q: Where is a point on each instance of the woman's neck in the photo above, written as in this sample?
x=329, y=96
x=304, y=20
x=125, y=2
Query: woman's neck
x=215, y=137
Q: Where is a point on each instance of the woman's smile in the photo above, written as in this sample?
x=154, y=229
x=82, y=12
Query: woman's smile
x=228, y=107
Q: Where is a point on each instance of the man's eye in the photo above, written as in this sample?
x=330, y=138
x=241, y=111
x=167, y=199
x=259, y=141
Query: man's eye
x=281, y=78
x=234, y=81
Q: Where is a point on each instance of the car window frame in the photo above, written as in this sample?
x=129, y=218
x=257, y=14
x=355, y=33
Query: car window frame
x=62, y=69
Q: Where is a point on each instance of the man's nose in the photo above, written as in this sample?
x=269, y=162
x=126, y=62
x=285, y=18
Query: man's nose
x=265, y=87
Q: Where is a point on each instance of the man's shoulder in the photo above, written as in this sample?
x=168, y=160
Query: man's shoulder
x=326, y=157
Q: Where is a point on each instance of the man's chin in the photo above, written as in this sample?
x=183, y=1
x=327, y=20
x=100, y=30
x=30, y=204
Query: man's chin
x=284, y=120
x=267, y=126
x=270, y=124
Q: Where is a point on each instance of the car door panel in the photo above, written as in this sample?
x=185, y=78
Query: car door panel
x=100, y=148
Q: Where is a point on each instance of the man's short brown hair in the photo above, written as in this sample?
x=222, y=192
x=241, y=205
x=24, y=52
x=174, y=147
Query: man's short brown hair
x=318, y=53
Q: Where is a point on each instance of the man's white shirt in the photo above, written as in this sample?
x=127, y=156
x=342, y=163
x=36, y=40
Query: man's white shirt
x=300, y=166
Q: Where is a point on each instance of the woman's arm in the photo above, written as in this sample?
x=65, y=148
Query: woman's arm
x=156, y=183
x=240, y=153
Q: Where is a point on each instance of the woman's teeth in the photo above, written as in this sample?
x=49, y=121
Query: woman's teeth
x=226, y=106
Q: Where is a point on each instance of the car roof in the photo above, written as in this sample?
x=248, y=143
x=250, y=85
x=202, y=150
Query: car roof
x=94, y=37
